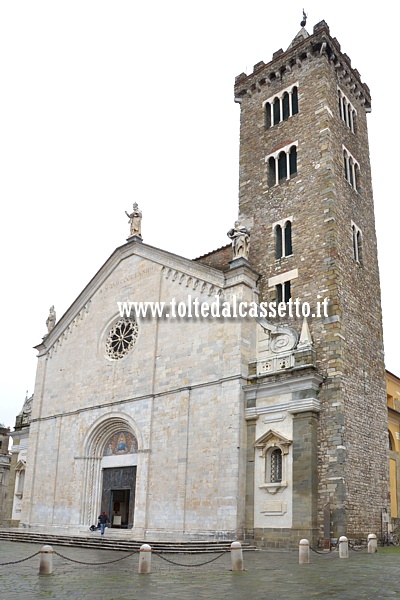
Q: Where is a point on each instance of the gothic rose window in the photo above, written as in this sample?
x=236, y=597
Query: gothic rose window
x=121, y=338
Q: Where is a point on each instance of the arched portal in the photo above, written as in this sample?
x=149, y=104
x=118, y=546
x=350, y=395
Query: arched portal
x=111, y=461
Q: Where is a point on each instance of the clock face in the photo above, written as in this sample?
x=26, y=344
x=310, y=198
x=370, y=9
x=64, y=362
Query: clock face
x=121, y=338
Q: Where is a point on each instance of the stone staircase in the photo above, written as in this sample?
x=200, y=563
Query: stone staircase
x=94, y=540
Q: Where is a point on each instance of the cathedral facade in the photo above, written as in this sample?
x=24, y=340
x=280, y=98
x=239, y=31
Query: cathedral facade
x=242, y=425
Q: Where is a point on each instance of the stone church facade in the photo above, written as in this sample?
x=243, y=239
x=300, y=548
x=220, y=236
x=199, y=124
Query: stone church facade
x=232, y=428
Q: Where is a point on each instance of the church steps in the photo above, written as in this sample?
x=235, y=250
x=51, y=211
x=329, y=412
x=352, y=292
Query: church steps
x=122, y=545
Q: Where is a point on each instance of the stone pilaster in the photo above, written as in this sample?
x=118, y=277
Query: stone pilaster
x=305, y=474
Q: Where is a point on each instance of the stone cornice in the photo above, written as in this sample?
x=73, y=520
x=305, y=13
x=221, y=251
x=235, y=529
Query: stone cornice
x=292, y=407
x=286, y=386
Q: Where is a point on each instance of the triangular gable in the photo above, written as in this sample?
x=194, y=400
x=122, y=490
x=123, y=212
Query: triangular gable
x=273, y=438
x=21, y=464
x=184, y=271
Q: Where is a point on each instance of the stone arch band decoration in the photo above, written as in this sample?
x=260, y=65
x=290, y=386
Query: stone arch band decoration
x=94, y=448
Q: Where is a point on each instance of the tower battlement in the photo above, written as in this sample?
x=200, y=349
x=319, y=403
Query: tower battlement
x=304, y=47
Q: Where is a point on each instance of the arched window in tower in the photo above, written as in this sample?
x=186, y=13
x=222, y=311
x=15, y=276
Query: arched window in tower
x=351, y=169
x=340, y=104
x=285, y=106
x=283, y=292
x=288, y=238
x=293, y=160
x=349, y=116
x=357, y=243
x=277, y=110
x=278, y=242
x=392, y=446
x=283, y=238
x=356, y=176
x=268, y=121
x=282, y=106
x=347, y=112
x=271, y=172
x=282, y=166
x=295, y=101
x=346, y=167
x=359, y=246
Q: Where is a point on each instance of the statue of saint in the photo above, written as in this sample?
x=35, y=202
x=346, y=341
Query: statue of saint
x=51, y=319
x=240, y=237
x=135, y=220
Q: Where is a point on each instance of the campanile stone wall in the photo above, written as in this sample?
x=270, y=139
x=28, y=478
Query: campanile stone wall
x=323, y=205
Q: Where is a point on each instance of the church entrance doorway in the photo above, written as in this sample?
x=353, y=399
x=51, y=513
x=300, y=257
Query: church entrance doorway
x=118, y=496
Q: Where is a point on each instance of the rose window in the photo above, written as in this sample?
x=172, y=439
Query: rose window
x=122, y=338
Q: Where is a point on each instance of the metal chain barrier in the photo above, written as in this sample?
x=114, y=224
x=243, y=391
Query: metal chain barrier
x=108, y=562
x=325, y=553
x=207, y=562
x=15, y=562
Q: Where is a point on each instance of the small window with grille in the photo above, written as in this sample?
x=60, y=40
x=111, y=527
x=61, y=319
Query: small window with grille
x=276, y=466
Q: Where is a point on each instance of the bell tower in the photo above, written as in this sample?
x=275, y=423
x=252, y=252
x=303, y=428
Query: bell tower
x=305, y=194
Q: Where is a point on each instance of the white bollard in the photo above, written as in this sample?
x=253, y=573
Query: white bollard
x=46, y=560
x=343, y=547
x=372, y=543
x=236, y=556
x=145, y=559
x=304, y=552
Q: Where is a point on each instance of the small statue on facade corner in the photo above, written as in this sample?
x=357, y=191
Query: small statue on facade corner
x=135, y=220
x=51, y=319
x=240, y=237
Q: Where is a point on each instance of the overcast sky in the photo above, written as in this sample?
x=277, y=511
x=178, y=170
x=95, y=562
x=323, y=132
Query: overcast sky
x=107, y=103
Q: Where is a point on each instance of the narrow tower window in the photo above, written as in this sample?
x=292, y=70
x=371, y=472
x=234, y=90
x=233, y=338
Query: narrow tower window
x=351, y=169
x=282, y=166
x=357, y=243
x=283, y=292
x=278, y=242
x=295, y=101
x=293, y=160
x=283, y=238
x=347, y=112
x=285, y=106
x=267, y=115
x=271, y=172
x=288, y=238
x=277, y=110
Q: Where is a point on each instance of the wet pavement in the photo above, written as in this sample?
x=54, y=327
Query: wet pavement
x=268, y=575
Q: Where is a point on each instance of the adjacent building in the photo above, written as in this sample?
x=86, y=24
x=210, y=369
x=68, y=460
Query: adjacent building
x=19, y=450
x=393, y=402
x=4, y=470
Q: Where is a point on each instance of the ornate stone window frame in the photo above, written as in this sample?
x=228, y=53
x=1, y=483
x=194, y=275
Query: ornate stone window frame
x=351, y=169
x=347, y=111
x=273, y=117
x=286, y=156
x=282, y=239
x=120, y=338
x=357, y=242
x=19, y=484
x=265, y=445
